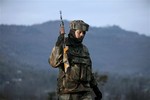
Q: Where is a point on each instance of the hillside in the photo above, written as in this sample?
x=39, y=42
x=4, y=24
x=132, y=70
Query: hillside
x=114, y=50
x=26, y=75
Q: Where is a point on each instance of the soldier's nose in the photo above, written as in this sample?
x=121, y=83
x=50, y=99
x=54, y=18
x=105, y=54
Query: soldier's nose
x=81, y=34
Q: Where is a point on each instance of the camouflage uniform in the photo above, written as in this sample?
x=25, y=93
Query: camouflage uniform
x=76, y=83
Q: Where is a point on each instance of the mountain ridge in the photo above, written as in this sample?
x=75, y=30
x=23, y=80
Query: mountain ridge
x=114, y=50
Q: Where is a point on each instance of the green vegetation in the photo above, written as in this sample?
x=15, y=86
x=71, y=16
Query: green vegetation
x=23, y=82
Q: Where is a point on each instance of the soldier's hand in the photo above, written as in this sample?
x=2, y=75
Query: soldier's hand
x=62, y=30
x=97, y=93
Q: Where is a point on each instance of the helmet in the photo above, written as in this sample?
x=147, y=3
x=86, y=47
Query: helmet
x=79, y=25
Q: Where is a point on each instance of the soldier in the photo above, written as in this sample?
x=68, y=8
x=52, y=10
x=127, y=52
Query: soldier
x=77, y=81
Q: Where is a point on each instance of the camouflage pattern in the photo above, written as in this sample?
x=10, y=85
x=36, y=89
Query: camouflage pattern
x=78, y=77
x=77, y=96
x=56, y=56
x=79, y=24
x=71, y=57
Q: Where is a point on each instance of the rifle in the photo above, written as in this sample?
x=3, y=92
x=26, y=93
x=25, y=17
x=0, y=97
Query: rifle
x=65, y=48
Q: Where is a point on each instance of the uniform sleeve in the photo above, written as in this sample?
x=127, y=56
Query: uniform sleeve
x=56, y=56
x=93, y=81
x=94, y=86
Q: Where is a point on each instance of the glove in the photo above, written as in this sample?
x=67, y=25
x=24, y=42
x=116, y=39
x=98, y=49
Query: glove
x=97, y=98
x=60, y=40
x=97, y=93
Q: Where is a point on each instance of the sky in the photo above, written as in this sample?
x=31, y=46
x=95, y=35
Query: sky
x=131, y=15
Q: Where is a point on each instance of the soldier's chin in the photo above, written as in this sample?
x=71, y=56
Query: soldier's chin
x=80, y=39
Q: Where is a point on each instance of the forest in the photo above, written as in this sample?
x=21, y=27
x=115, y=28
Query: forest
x=27, y=83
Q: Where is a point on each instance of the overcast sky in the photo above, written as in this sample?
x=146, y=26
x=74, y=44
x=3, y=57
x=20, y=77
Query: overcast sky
x=133, y=15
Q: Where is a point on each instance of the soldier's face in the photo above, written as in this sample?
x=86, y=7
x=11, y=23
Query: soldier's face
x=79, y=34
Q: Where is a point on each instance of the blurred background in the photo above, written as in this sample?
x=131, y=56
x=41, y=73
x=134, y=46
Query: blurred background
x=118, y=41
